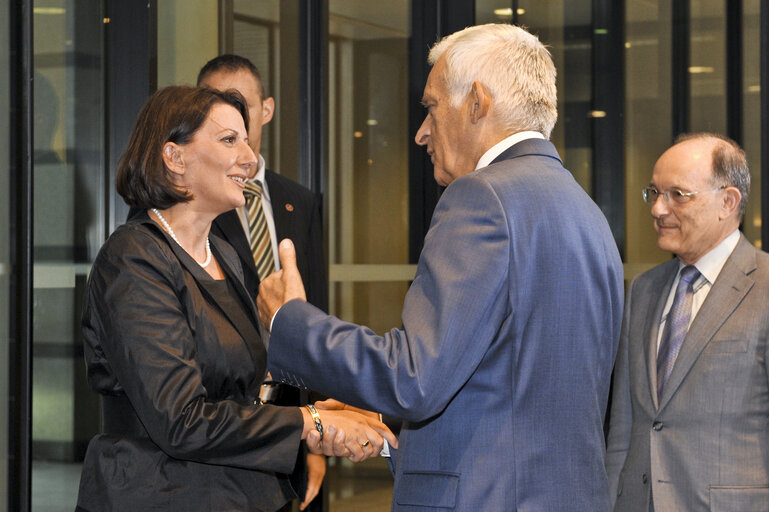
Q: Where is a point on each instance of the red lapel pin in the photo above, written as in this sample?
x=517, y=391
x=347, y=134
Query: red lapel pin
x=289, y=207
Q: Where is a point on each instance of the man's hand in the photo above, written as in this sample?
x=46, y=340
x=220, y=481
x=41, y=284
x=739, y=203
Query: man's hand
x=281, y=286
x=346, y=434
x=316, y=470
x=335, y=405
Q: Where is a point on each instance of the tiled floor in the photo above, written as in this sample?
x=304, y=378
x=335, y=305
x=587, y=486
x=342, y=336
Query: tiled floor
x=364, y=487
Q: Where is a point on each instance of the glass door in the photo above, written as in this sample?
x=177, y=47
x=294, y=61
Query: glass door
x=69, y=195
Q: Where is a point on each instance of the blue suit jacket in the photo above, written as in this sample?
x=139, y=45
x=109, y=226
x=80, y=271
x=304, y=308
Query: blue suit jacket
x=501, y=369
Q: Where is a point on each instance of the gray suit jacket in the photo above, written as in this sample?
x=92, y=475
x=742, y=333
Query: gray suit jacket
x=705, y=445
x=501, y=369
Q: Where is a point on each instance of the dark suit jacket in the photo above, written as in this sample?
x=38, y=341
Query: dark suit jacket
x=188, y=371
x=502, y=366
x=297, y=214
x=704, y=446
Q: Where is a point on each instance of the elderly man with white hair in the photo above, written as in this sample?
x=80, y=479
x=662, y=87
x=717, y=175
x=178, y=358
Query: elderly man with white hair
x=501, y=369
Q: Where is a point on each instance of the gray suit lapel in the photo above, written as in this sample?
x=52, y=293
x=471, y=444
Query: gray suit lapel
x=660, y=288
x=731, y=286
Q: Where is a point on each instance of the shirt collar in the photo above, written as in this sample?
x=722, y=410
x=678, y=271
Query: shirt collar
x=260, y=176
x=498, y=148
x=713, y=261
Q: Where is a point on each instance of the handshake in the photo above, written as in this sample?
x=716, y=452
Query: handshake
x=334, y=428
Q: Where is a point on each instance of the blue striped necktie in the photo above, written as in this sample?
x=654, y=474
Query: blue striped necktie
x=676, y=326
x=261, y=246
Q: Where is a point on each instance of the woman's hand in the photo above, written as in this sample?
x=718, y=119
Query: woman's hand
x=316, y=470
x=346, y=434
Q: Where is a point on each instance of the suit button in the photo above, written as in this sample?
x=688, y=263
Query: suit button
x=645, y=478
x=657, y=426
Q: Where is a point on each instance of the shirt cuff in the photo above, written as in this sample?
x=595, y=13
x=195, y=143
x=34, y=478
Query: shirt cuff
x=273, y=318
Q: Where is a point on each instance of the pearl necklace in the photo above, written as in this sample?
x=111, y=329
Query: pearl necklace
x=173, y=235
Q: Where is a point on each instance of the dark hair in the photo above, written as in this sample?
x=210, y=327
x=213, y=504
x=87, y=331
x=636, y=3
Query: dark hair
x=172, y=114
x=730, y=166
x=231, y=63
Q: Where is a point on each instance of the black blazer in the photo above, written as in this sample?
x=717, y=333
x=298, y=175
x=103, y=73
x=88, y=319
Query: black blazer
x=297, y=214
x=188, y=370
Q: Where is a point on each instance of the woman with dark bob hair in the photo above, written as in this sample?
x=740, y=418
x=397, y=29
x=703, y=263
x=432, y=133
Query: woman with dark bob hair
x=171, y=336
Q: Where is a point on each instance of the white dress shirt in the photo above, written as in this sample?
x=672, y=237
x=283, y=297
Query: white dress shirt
x=710, y=266
x=499, y=148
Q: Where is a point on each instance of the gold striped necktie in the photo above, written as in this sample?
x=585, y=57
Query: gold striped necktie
x=261, y=247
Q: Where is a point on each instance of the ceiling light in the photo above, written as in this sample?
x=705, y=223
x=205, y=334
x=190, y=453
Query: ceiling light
x=695, y=70
x=49, y=10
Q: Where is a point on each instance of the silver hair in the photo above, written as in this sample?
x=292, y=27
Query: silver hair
x=730, y=166
x=513, y=64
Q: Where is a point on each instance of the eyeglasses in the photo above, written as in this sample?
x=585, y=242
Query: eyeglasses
x=651, y=194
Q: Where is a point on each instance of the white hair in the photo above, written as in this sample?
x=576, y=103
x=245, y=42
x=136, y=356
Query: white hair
x=512, y=64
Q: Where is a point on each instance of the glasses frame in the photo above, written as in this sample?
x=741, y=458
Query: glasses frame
x=651, y=194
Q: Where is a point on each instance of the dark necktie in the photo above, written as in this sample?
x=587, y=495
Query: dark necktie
x=261, y=246
x=676, y=326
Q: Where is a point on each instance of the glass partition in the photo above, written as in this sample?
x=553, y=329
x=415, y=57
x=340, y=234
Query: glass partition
x=68, y=231
x=368, y=161
x=566, y=28
x=367, y=195
x=751, y=114
x=707, y=67
x=648, y=132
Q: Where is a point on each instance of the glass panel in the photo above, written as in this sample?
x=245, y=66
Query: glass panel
x=5, y=229
x=367, y=193
x=256, y=29
x=647, y=122
x=368, y=153
x=494, y=11
x=751, y=127
x=707, y=66
x=68, y=231
x=566, y=27
x=188, y=36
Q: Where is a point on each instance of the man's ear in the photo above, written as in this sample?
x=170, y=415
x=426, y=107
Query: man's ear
x=730, y=202
x=173, y=157
x=268, y=110
x=481, y=102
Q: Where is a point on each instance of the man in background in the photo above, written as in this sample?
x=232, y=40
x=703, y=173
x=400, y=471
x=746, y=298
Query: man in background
x=276, y=208
x=501, y=369
x=689, y=427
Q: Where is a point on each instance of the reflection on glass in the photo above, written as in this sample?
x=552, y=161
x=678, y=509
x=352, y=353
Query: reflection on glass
x=367, y=192
x=566, y=28
x=187, y=39
x=751, y=128
x=256, y=36
x=368, y=153
x=707, y=67
x=68, y=231
x=647, y=120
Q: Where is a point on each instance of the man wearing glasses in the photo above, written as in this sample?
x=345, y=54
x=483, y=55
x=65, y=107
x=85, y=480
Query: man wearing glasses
x=689, y=423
